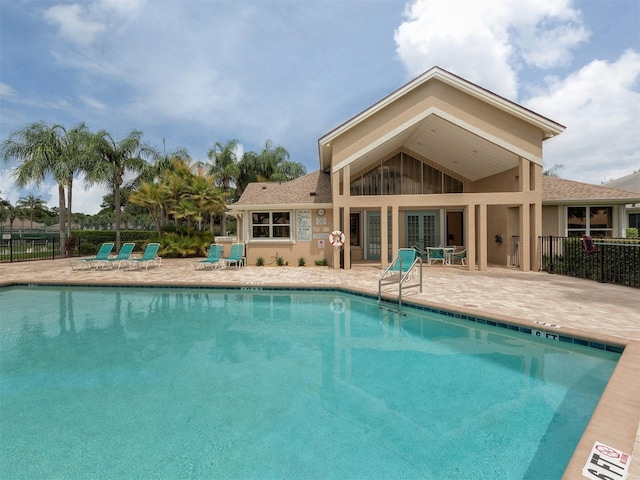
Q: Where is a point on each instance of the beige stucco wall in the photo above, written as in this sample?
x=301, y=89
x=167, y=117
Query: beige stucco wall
x=436, y=94
x=289, y=250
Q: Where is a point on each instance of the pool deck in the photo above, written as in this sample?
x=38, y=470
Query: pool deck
x=574, y=307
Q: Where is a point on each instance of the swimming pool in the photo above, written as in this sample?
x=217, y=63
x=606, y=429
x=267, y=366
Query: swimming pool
x=258, y=383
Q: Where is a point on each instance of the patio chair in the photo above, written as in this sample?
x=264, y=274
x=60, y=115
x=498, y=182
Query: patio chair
x=123, y=255
x=103, y=254
x=149, y=257
x=436, y=254
x=459, y=255
x=236, y=256
x=213, y=259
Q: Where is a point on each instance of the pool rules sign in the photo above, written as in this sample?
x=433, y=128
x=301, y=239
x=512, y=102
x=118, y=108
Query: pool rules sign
x=606, y=463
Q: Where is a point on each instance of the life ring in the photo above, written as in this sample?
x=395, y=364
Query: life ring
x=587, y=244
x=336, y=238
x=338, y=305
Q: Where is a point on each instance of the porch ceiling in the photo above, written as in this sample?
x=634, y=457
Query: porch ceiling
x=455, y=148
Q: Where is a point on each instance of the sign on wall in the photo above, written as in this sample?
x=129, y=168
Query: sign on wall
x=303, y=225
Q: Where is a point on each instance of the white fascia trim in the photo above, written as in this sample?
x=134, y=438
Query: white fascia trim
x=446, y=116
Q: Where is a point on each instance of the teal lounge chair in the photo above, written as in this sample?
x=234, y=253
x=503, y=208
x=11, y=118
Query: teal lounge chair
x=102, y=255
x=404, y=261
x=123, y=255
x=236, y=256
x=213, y=260
x=149, y=257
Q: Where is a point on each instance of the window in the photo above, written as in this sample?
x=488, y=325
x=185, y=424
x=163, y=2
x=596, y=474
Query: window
x=403, y=174
x=592, y=221
x=271, y=225
x=634, y=220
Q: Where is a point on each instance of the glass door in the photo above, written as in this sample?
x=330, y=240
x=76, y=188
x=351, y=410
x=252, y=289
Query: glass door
x=422, y=230
x=374, y=236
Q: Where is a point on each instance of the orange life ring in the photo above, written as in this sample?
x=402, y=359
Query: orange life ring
x=336, y=238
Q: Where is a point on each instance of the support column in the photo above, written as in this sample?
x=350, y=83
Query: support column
x=384, y=236
x=536, y=232
x=337, y=202
x=524, y=179
x=470, y=233
x=482, y=236
x=395, y=231
x=346, y=222
x=525, y=237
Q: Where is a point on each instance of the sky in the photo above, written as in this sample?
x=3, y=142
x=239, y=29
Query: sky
x=192, y=73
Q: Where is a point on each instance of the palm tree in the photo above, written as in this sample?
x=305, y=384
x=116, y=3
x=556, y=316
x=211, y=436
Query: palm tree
x=206, y=196
x=114, y=160
x=225, y=170
x=154, y=196
x=31, y=203
x=270, y=165
x=49, y=150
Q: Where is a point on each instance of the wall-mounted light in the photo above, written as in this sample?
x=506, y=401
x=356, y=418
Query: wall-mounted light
x=498, y=238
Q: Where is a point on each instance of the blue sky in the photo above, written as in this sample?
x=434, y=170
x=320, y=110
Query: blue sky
x=191, y=73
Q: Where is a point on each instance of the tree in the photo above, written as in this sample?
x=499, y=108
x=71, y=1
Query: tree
x=225, y=170
x=114, y=160
x=49, y=150
x=153, y=196
x=31, y=203
x=553, y=171
x=270, y=165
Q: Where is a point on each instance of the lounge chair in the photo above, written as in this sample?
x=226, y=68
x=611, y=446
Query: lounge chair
x=103, y=254
x=236, y=256
x=123, y=255
x=213, y=260
x=459, y=255
x=403, y=263
x=149, y=257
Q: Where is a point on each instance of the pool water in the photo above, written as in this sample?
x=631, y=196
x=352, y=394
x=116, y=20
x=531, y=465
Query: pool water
x=120, y=383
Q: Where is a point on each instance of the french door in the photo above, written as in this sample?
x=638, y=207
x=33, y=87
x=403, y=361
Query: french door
x=422, y=229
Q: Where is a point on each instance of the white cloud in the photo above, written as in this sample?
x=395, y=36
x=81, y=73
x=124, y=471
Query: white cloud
x=487, y=42
x=93, y=103
x=74, y=22
x=600, y=106
x=87, y=200
x=6, y=91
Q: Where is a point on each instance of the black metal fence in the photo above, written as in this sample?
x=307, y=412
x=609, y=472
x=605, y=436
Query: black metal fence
x=613, y=261
x=24, y=248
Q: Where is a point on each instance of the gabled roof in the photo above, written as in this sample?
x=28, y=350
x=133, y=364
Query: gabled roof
x=558, y=190
x=313, y=189
x=630, y=183
x=549, y=127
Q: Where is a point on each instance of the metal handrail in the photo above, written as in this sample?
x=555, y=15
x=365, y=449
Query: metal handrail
x=404, y=276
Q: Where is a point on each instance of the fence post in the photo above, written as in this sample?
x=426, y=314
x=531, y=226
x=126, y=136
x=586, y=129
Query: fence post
x=601, y=262
x=550, y=253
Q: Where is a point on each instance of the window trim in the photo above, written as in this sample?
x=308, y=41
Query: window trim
x=271, y=226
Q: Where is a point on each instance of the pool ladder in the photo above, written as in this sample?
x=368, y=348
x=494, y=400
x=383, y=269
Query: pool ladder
x=403, y=277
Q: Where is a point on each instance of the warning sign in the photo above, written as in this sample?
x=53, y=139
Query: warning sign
x=606, y=463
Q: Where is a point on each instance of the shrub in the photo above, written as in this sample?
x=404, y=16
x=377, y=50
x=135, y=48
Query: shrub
x=259, y=262
x=632, y=233
x=87, y=248
x=280, y=261
x=301, y=262
x=322, y=263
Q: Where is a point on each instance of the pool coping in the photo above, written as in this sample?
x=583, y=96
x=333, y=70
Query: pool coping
x=616, y=419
